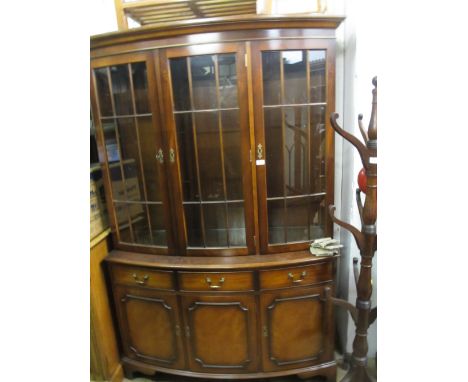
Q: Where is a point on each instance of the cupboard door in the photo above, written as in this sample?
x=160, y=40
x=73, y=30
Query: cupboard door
x=149, y=326
x=207, y=119
x=294, y=142
x=131, y=152
x=221, y=333
x=296, y=329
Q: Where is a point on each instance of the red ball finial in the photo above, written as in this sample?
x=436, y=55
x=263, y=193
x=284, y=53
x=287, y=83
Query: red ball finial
x=362, y=180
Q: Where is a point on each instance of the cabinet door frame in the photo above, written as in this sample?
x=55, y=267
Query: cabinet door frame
x=295, y=295
x=257, y=47
x=247, y=304
x=170, y=131
x=169, y=301
x=103, y=158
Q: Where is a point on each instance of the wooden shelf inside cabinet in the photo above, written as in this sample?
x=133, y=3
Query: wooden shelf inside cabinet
x=225, y=168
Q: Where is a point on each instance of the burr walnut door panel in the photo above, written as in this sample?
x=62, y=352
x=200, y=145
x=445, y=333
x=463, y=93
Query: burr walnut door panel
x=221, y=334
x=149, y=326
x=295, y=328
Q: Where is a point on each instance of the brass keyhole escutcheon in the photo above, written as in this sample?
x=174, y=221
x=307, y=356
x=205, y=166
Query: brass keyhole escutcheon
x=171, y=155
x=160, y=156
x=259, y=151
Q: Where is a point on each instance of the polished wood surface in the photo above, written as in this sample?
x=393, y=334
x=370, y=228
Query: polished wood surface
x=221, y=333
x=214, y=263
x=250, y=35
x=138, y=276
x=215, y=25
x=202, y=284
x=234, y=326
x=296, y=276
x=293, y=324
x=149, y=325
x=218, y=281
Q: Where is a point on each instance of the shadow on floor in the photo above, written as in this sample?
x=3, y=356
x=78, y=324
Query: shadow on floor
x=341, y=372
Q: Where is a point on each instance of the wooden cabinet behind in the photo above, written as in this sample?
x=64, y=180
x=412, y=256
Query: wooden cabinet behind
x=218, y=160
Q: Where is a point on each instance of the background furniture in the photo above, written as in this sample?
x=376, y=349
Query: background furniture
x=105, y=360
x=155, y=12
x=158, y=12
x=218, y=163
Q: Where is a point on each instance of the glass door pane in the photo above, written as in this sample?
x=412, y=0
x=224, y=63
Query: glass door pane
x=131, y=146
x=209, y=138
x=293, y=110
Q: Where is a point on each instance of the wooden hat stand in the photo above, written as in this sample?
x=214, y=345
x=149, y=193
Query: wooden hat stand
x=366, y=240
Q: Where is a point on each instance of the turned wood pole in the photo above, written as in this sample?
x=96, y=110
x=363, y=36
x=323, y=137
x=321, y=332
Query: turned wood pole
x=366, y=240
x=369, y=217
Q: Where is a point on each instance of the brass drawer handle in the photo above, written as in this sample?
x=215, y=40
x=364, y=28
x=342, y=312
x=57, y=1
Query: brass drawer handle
x=210, y=283
x=140, y=282
x=302, y=277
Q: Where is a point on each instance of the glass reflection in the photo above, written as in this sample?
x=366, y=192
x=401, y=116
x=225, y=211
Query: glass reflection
x=121, y=90
x=271, y=67
x=140, y=87
x=236, y=220
x=180, y=84
x=203, y=82
x=296, y=153
x=209, y=156
x=295, y=143
x=317, y=66
x=227, y=80
x=103, y=91
x=215, y=225
x=295, y=76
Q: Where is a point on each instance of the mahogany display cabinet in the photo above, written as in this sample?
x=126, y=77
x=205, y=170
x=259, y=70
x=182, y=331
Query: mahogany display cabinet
x=218, y=162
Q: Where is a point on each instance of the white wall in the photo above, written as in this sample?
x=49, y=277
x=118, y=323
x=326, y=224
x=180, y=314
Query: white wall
x=102, y=18
x=356, y=66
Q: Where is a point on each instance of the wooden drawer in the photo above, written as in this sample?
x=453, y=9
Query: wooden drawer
x=289, y=277
x=216, y=281
x=136, y=276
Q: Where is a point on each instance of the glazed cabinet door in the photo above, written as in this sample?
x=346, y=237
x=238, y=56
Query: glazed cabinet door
x=221, y=333
x=128, y=132
x=149, y=326
x=207, y=118
x=297, y=328
x=293, y=97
